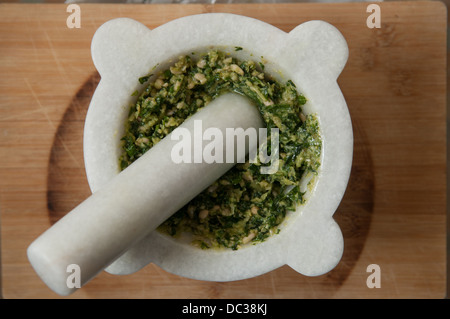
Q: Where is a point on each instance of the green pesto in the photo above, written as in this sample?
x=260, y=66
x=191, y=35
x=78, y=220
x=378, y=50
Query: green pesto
x=244, y=205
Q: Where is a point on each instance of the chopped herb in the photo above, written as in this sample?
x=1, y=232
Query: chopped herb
x=144, y=79
x=238, y=48
x=244, y=205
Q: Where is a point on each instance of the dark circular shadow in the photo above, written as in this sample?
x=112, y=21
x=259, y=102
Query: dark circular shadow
x=355, y=211
x=67, y=187
x=66, y=181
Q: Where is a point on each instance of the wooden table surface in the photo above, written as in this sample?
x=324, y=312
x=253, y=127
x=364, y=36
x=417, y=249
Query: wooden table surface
x=393, y=213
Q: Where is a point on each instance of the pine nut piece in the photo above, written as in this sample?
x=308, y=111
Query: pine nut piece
x=203, y=214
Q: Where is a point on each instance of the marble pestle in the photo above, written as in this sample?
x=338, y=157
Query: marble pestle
x=136, y=201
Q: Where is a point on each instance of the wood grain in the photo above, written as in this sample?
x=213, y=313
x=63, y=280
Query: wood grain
x=393, y=213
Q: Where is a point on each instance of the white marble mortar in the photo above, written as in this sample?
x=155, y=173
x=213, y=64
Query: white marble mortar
x=312, y=55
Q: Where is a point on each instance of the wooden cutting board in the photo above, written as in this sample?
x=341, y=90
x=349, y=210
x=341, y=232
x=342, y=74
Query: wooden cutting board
x=393, y=213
